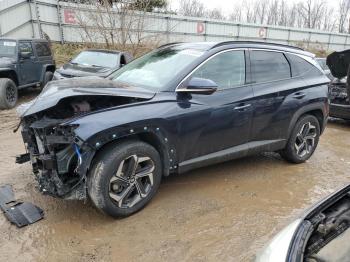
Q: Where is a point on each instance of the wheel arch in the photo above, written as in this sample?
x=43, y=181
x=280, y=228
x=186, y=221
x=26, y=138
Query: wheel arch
x=148, y=137
x=47, y=67
x=317, y=109
x=10, y=74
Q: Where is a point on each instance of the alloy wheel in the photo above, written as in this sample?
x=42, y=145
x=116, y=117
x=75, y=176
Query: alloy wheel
x=132, y=182
x=10, y=94
x=305, y=139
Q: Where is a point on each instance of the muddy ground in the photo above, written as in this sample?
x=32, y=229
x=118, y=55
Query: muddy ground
x=225, y=212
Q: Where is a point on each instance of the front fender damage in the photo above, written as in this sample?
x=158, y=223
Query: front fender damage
x=60, y=159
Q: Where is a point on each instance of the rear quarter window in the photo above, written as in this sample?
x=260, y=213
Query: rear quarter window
x=42, y=49
x=301, y=67
x=269, y=66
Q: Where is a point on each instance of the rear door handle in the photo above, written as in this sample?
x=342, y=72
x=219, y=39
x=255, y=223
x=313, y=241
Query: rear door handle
x=299, y=95
x=241, y=107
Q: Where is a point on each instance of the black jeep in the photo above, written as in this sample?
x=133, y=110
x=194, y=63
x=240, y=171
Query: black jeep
x=23, y=63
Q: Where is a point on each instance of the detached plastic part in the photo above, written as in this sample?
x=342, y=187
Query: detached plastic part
x=20, y=159
x=23, y=214
x=18, y=213
x=6, y=195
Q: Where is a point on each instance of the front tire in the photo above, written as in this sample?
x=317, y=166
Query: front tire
x=124, y=178
x=303, y=140
x=8, y=93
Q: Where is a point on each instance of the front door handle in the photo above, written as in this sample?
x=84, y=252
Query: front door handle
x=241, y=107
x=299, y=95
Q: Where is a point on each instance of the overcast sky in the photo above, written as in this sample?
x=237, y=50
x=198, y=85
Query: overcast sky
x=227, y=5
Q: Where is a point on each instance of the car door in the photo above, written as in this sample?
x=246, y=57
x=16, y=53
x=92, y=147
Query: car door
x=43, y=54
x=274, y=102
x=27, y=66
x=221, y=120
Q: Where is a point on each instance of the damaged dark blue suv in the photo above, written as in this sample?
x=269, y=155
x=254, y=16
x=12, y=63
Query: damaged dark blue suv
x=179, y=107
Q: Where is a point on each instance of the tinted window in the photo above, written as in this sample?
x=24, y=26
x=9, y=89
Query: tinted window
x=269, y=66
x=226, y=69
x=25, y=47
x=42, y=49
x=157, y=69
x=301, y=67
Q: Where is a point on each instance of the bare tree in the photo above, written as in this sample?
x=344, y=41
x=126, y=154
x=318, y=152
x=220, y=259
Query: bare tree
x=314, y=14
x=192, y=8
x=343, y=9
x=311, y=12
x=215, y=14
x=236, y=14
x=121, y=24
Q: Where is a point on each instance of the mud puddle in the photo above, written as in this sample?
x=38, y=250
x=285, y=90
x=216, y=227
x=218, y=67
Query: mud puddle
x=224, y=212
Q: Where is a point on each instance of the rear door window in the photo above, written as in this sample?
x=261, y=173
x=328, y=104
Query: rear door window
x=226, y=69
x=42, y=49
x=269, y=66
x=302, y=67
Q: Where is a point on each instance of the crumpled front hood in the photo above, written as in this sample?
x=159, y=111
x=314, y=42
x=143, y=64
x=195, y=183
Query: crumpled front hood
x=85, y=86
x=338, y=63
x=82, y=70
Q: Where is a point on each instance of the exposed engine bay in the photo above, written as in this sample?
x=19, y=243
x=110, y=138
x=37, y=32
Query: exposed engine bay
x=330, y=238
x=60, y=159
x=338, y=92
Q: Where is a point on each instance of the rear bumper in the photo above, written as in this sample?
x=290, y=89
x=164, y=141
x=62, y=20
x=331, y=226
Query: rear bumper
x=339, y=111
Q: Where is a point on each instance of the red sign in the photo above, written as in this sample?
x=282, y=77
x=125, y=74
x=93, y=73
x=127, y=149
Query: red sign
x=262, y=32
x=69, y=16
x=200, y=28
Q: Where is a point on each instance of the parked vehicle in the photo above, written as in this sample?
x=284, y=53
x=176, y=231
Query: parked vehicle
x=339, y=63
x=93, y=62
x=323, y=64
x=322, y=234
x=23, y=63
x=179, y=107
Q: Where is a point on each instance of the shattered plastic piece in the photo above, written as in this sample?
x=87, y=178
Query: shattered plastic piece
x=18, y=213
x=6, y=196
x=23, y=214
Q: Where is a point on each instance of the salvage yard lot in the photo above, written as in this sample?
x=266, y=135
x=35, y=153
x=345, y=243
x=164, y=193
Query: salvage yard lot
x=224, y=212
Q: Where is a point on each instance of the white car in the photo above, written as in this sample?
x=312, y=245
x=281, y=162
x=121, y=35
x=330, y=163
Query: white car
x=321, y=235
x=324, y=66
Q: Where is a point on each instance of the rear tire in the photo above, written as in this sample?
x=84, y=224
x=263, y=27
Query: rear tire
x=124, y=178
x=8, y=93
x=303, y=140
x=47, y=78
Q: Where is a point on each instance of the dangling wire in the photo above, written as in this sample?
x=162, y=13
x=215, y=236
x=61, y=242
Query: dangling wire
x=80, y=160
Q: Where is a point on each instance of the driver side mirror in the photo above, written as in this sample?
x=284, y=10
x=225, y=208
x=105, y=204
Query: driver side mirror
x=25, y=55
x=200, y=86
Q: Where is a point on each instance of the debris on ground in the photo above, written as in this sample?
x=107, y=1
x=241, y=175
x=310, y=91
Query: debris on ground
x=19, y=213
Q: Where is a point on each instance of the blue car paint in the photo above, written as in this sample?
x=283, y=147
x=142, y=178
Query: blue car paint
x=194, y=130
x=197, y=125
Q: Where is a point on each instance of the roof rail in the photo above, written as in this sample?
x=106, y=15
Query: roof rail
x=255, y=42
x=169, y=44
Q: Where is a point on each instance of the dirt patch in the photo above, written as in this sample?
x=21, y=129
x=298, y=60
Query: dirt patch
x=224, y=212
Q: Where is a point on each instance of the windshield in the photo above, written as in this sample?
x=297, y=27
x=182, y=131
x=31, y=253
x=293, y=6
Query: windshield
x=99, y=59
x=7, y=48
x=157, y=69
